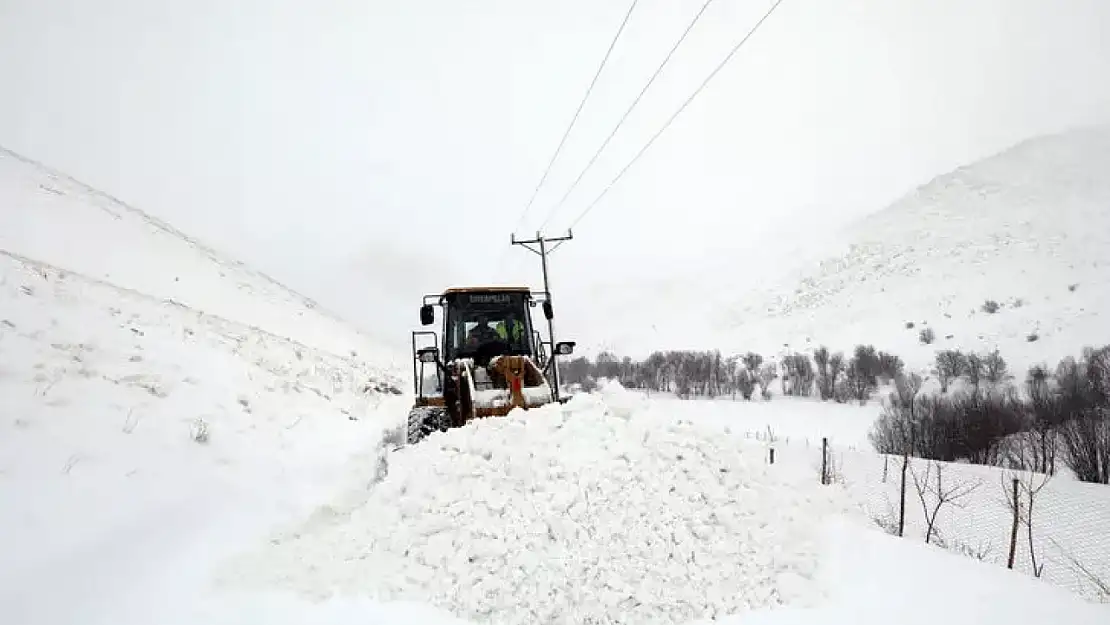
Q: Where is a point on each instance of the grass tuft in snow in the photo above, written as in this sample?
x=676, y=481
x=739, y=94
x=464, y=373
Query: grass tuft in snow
x=199, y=431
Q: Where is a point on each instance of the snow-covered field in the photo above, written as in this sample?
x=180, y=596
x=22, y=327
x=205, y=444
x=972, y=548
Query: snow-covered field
x=802, y=421
x=1069, y=530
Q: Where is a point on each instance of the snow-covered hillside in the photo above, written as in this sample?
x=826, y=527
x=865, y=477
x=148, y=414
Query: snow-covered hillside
x=156, y=401
x=50, y=217
x=130, y=426
x=1028, y=228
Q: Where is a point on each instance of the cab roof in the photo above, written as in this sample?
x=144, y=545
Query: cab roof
x=486, y=289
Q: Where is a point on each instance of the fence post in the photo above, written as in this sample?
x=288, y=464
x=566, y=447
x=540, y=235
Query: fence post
x=824, y=460
x=772, y=457
x=1014, y=527
x=902, y=496
x=886, y=460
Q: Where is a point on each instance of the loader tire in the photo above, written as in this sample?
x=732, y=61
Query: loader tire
x=423, y=421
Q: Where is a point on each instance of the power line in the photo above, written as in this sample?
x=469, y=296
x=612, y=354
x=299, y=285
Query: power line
x=647, y=145
x=574, y=119
x=624, y=117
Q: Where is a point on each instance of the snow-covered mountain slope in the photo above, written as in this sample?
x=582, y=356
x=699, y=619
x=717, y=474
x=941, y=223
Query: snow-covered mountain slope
x=136, y=433
x=50, y=217
x=157, y=403
x=1028, y=228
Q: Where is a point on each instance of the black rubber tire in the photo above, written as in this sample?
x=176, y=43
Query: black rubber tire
x=425, y=420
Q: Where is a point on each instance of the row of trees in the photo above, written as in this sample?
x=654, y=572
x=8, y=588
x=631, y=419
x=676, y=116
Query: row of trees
x=709, y=374
x=1061, y=414
x=685, y=373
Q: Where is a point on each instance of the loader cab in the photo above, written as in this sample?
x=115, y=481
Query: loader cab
x=480, y=323
x=477, y=324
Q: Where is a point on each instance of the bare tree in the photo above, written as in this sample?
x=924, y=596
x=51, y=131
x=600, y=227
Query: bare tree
x=745, y=383
x=1098, y=373
x=836, y=370
x=890, y=366
x=821, y=358
x=767, y=375
x=860, y=384
x=1028, y=489
x=973, y=369
x=940, y=495
x=731, y=366
x=1084, y=391
x=1086, y=440
x=907, y=387
x=893, y=430
x=798, y=375
x=828, y=371
x=950, y=364
x=1047, y=414
x=994, y=367
x=752, y=362
x=868, y=363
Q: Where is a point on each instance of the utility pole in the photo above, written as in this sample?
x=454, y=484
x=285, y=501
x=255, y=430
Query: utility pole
x=543, y=252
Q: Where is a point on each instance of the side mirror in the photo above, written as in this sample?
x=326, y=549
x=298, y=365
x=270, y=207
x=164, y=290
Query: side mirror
x=565, y=348
x=427, y=315
x=547, y=311
x=428, y=354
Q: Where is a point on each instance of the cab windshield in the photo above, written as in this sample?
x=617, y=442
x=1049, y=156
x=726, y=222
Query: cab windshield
x=494, y=323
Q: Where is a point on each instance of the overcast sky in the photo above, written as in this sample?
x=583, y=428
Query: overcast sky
x=368, y=152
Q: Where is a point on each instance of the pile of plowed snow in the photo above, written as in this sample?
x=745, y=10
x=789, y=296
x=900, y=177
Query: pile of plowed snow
x=595, y=511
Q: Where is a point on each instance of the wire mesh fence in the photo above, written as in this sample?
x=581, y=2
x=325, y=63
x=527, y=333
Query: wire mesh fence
x=1048, y=526
x=1051, y=527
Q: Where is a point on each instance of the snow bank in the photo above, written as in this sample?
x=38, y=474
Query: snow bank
x=619, y=401
x=875, y=579
x=578, y=513
x=866, y=577
x=110, y=506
